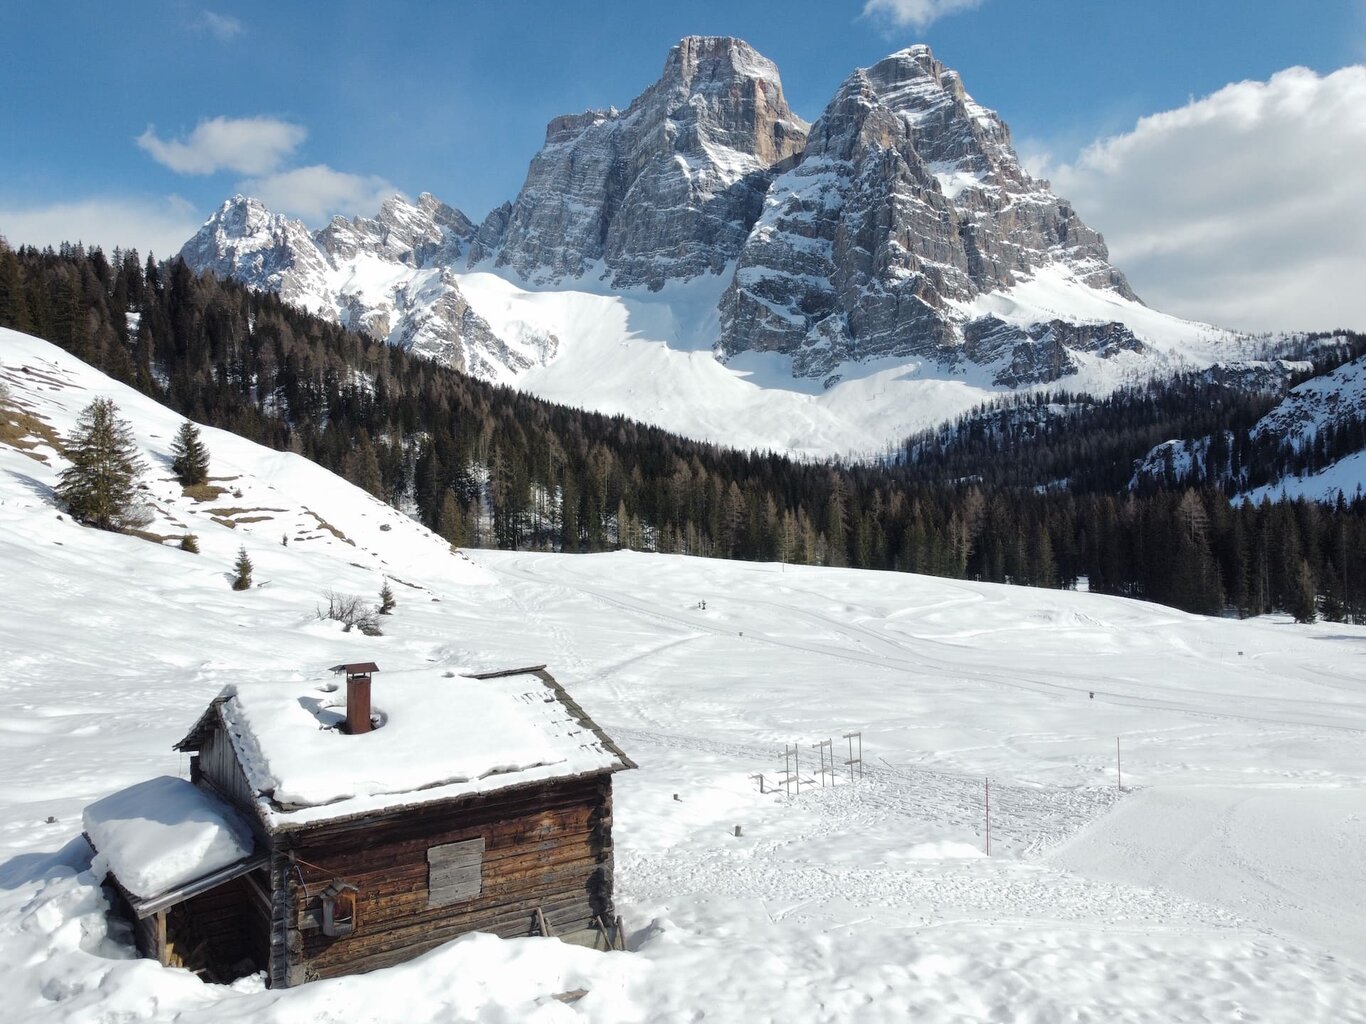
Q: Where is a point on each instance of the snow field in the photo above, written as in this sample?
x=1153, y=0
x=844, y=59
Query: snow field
x=648, y=356
x=1221, y=886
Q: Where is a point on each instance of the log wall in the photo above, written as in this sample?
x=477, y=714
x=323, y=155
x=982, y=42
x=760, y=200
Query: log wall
x=546, y=847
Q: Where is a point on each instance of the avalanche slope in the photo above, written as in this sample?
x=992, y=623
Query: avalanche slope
x=650, y=356
x=1223, y=883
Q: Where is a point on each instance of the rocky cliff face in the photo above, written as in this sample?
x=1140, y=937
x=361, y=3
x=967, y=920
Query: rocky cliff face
x=1041, y=352
x=906, y=201
x=667, y=189
x=413, y=234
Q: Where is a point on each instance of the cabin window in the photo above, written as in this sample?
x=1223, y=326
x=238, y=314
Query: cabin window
x=455, y=872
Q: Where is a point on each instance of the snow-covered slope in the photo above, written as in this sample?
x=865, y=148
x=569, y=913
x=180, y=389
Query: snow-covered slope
x=1324, y=416
x=1331, y=403
x=1224, y=882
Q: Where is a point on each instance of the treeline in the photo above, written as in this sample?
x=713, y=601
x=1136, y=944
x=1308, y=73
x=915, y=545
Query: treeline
x=488, y=466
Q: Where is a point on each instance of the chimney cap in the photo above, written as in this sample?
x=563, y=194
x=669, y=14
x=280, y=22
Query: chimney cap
x=360, y=668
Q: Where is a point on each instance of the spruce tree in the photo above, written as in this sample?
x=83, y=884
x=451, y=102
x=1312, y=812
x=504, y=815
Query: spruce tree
x=242, y=570
x=100, y=486
x=191, y=458
x=386, y=599
x=1300, y=599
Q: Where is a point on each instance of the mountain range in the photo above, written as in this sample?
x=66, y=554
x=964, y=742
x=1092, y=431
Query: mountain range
x=706, y=261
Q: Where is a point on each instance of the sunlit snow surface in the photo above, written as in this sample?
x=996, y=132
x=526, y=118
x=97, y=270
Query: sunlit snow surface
x=1225, y=883
x=648, y=355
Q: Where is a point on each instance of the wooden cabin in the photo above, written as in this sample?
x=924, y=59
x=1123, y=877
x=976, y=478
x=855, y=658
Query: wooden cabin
x=354, y=830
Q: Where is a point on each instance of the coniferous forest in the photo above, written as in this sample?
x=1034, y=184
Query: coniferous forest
x=1011, y=496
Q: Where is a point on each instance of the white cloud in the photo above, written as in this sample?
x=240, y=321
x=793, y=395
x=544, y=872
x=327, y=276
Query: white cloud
x=1246, y=208
x=248, y=145
x=317, y=192
x=148, y=225
x=916, y=14
x=223, y=26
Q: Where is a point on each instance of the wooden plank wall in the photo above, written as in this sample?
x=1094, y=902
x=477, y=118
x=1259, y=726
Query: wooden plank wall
x=547, y=846
x=218, y=764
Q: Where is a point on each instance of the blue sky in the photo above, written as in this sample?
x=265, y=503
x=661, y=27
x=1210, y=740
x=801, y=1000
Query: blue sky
x=453, y=98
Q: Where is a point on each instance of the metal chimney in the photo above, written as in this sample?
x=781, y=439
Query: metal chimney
x=357, y=696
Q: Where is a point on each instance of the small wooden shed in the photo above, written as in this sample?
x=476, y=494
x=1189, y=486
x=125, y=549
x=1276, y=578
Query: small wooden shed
x=378, y=825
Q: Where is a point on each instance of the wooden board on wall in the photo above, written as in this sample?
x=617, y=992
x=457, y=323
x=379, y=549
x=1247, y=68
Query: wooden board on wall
x=454, y=872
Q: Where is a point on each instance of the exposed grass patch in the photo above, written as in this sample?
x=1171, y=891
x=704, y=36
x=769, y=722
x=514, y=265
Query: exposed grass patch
x=254, y=519
x=241, y=511
x=155, y=538
x=224, y=522
x=330, y=528
x=58, y=382
x=203, y=492
x=25, y=431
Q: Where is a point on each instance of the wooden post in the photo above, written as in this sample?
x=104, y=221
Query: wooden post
x=988, y=788
x=542, y=926
x=163, y=953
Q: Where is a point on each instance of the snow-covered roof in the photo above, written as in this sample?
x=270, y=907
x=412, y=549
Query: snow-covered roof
x=441, y=735
x=163, y=833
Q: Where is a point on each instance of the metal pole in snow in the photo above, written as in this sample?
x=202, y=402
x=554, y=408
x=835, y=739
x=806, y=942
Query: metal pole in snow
x=988, y=788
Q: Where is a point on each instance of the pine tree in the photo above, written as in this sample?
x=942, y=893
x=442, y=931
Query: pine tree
x=386, y=599
x=191, y=458
x=242, y=570
x=100, y=486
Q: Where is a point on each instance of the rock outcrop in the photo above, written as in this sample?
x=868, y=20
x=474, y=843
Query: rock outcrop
x=1041, y=352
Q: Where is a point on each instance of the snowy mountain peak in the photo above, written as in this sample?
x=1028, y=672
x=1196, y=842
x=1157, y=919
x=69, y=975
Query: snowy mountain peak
x=906, y=204
x=717, y=57
x=386, y=275
x=666, y=189
x=758, y=262
x=244, y=240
